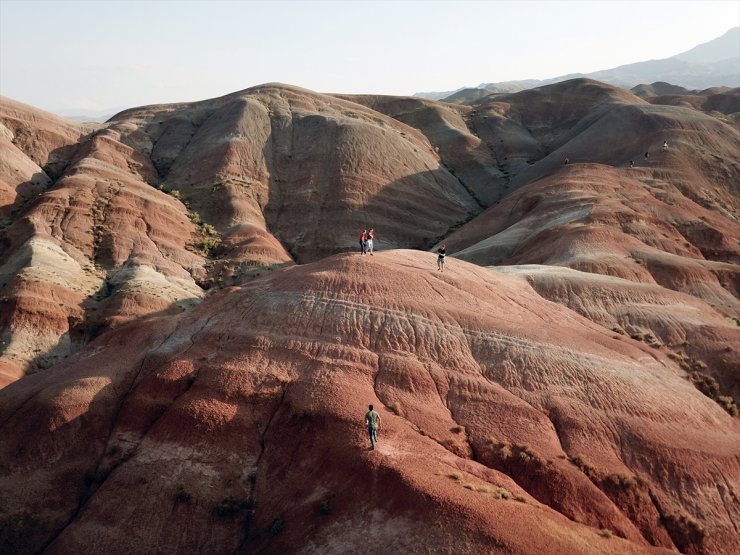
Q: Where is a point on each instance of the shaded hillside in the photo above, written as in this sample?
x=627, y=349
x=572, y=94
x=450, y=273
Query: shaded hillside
x=163, y=202
x=237, y=427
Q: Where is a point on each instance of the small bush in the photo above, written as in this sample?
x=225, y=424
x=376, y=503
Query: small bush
x=469, y=486
x=502, y=493
x=230, y=507
x=195, y=218
x=457, y=429
x=728, y=403
x=208, y=244
x=395, y=408
x=457, y=476
x=505, y=451
x=606, y=533
x=583, y=463
x=483, y=489
x=709, y=387
x=520, y=498
x=277, y=526
x=182, y=495
x=623, y=481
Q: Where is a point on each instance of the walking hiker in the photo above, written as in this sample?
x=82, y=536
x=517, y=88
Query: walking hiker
x=441, y=251
x=646, y=155
x=567, y=161
x=632, y=163
x=370, y=237
x=363, y=241
x=665, y=146
x=372, y=419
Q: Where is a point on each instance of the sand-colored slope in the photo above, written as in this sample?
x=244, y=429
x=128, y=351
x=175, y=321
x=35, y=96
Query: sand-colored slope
x=77, y=242
x=238, y=426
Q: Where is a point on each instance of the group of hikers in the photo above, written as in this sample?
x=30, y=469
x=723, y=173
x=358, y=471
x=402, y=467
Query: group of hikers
x=366, y=241
x=366, y=246
x=632, y=162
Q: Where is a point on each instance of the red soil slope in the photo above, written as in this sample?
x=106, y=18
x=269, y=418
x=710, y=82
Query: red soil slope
x=238, y=426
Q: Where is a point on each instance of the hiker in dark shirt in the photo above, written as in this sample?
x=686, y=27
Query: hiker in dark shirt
x=441, y=251
x=363, y=241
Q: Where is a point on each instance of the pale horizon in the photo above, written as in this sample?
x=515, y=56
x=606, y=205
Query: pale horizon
x=95, y=58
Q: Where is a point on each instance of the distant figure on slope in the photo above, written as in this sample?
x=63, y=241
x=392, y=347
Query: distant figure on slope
x=370, y=237
x=567, y=161
x=441, y=251
x=665, y=146
x=632, y=163
x=363, y=241
x=646, y=155
x=372, y=419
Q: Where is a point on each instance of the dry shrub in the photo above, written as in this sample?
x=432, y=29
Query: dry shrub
x=583, y=463
x=606, y=533
x=502, y=493
x=709, y=387
x=728, y=403
x=457, y=476
x=624, y=481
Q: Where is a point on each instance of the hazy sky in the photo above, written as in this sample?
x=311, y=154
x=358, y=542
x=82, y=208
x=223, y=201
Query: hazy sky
x=91, y=56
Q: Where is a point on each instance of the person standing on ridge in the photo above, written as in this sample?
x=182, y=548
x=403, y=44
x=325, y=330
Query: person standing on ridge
x=632, y=163
x=567, y=161
x=646, y=155
x=370, y=237
x=665, y=146
x=441, y=251
x=363, y=238
x=372, y=419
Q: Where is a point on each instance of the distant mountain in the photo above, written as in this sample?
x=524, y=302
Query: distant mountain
x=464, y=96
x=96, y=119
x=438, y=95
x=714, y=63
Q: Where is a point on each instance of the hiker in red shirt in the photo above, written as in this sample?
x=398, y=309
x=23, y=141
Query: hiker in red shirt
x=363, y=239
